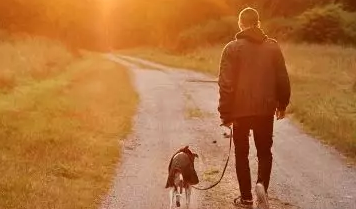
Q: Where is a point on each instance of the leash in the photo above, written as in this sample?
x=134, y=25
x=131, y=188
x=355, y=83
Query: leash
x=223, y=173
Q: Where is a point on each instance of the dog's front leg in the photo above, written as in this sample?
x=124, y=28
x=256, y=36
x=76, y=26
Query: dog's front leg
x=188, y=192
x=171, y=197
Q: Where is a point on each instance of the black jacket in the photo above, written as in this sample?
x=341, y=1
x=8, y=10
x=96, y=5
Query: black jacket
x=253, y=79
x=183, y=161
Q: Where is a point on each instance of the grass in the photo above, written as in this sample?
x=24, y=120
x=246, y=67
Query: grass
x=24, y=59
x=194, y=113
x=60, y=133
x=211, y=175
x=191, y=110
x=323, y=86
x=204, y=60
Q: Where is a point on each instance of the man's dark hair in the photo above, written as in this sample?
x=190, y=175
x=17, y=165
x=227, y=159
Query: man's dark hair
x=249, y=17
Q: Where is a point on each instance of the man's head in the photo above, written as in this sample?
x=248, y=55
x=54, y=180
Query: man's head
x=249, y=18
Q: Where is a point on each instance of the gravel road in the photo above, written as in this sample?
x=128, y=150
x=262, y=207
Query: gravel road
x=177, y=108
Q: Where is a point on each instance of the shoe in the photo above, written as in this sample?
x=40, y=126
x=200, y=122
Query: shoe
x=239, y=202
x=262, y=199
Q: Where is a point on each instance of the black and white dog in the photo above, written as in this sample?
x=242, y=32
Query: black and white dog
x=181, y=175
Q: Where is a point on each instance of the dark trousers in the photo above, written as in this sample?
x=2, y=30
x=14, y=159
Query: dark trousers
x=262, y=127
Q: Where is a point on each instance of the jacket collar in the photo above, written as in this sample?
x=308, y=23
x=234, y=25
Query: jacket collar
x=253, y=34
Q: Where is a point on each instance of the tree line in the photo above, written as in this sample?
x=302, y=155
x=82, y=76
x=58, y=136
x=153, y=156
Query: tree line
x=100, y=24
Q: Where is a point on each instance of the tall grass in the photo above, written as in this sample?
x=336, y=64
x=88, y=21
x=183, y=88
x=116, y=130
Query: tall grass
x=30, y=58
x=323, y=86
x=323, y=96
x=60, y=132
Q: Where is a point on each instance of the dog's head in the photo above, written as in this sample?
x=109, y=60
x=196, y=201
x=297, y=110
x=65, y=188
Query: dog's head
x=187, y=151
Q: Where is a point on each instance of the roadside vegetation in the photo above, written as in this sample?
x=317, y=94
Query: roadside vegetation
x=61, y=120
x=323, y=85
x=63, y=113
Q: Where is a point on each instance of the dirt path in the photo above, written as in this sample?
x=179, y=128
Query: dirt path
x=177, y=109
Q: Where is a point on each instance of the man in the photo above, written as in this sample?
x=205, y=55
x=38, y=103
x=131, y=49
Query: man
x=254, y=86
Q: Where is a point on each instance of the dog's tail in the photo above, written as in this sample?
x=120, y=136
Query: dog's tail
x=179, y=187
x=180, y=183
x=178, y=180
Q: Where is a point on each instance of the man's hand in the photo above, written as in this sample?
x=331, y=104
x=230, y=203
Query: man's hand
x=228, y=124
x=280, y=114
x=226, y=130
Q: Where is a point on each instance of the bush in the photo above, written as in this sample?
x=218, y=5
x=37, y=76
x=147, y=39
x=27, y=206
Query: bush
x=325, y=24
x=280, y=28
x=349, y=25
x=209, y=33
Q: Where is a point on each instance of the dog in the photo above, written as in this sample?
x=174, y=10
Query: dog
x=181, y=175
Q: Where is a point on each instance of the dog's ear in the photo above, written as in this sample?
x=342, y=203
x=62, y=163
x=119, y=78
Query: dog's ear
x=183, y=149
